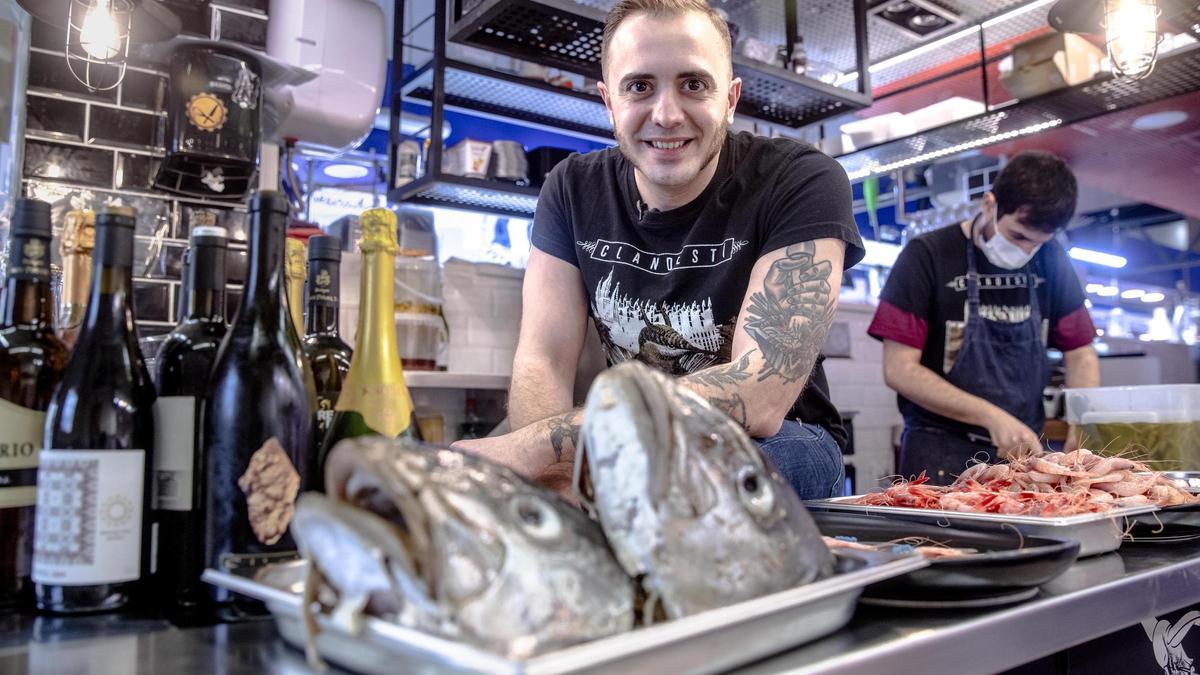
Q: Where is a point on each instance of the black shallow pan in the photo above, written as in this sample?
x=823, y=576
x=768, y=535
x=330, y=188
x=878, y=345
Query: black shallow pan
x=1006, y=564
x=1169, y=524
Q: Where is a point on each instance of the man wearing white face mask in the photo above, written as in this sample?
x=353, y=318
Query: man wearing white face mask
x=966, y=317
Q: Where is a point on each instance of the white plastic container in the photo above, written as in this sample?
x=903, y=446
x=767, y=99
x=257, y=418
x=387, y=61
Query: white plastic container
x=944, y=112
x=878, y=129
x=1158, y=422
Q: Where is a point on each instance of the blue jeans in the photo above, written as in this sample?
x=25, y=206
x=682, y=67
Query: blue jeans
x=808, y=458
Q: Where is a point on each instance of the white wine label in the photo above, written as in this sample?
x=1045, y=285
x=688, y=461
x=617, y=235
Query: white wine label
x=89, y=517
x=174, y=452
x=20, y=440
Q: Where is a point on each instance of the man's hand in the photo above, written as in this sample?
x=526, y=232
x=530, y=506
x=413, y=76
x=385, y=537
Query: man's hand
x=531, y=449
x=1010, y=435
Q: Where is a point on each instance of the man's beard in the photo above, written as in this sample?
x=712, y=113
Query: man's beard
x=626, y=145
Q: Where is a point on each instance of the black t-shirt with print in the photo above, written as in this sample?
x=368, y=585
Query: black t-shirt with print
x=666, y=287
x=923, y=304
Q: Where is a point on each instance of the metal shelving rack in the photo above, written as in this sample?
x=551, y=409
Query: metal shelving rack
x=1176, y=73
x=565, y=35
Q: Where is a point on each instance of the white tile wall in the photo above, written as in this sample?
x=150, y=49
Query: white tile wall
x=857, y=384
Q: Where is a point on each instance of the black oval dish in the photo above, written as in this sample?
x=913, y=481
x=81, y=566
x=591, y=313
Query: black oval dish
x=1006, y=564
x=1168, y=525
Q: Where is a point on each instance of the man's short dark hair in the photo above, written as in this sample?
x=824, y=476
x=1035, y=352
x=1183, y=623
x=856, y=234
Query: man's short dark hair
x=1039, y=188
x=623, y=9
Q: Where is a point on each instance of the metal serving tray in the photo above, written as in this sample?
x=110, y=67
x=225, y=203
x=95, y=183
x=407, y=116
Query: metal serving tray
x=1095, y=532
x=704, y=643
x=1187, y=480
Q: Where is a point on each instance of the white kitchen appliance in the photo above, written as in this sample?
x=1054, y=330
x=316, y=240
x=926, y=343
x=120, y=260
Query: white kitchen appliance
x=344, y=41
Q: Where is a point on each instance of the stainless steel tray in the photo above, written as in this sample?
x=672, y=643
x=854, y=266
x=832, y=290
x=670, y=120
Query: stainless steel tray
x=1095, y=532
x=1187, y=480
x=708, y=642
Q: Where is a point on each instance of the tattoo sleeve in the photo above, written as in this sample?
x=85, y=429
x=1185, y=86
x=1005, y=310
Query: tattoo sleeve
x=719, y=376
x=789, y=318
x=734, y=406
x=564, y=429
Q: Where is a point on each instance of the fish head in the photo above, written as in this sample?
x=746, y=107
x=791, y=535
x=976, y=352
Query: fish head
x=687, y=500
x=485, y=543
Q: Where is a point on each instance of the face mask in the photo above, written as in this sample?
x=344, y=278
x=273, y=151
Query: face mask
x=1003, y=253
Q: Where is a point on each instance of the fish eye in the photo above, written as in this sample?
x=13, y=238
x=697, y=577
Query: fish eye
x=756, y=493
x=536, y=518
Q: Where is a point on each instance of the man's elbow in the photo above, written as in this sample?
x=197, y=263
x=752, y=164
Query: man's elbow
x=766, y=423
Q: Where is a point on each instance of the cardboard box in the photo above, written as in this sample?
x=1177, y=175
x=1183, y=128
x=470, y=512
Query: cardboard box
x=1049, y=62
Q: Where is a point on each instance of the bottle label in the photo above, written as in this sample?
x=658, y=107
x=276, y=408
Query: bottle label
x=174, y=452
x=270, y=484
x=322, y=287
x=29, y=258
x=324, y=413
x=89, y=517
x=20, y=441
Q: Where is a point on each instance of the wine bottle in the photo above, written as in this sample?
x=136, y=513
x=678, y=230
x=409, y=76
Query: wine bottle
x=92, y=539
x=258, y=415
x=75, y=247
x=32, y=359
x=374, y=398
x=184, y=362
x=328, y=354
x=294, y=271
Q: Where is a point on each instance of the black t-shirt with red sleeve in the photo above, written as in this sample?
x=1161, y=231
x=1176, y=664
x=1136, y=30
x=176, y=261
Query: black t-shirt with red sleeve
x=923, y=303
x=666, y=287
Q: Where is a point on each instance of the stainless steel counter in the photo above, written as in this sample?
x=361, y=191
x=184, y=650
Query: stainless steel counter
x=1096, y=596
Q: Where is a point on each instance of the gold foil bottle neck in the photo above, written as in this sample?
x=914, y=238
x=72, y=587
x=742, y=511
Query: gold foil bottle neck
x=378, y=231
x=296, y=261
x=79, y=232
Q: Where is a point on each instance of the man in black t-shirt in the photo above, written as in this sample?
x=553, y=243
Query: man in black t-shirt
x=715, y=257
x=967, y=314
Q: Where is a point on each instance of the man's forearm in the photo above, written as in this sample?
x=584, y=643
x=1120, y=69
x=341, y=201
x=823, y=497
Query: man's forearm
x=932, y=392
x=538, y=391
x=1083, y=367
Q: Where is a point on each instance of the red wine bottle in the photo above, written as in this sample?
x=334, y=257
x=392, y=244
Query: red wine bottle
x=184, y=363
x=31, y=364
x=258, y=415
x=92, y=538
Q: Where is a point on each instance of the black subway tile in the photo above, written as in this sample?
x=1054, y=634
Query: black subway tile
x=143, y=90
x=74, y=164
x=262, y=6
x=55, y=116
x=234, y=222
x=49, y=72
x=195, y=15
x=241, y=28
x=47, y=36
x=151, y=301
x=125, y=127
x=136, y=172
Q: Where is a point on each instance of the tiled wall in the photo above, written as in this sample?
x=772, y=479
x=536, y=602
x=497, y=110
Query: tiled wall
x=86, y=148
x=856, y=384
x=483, y=308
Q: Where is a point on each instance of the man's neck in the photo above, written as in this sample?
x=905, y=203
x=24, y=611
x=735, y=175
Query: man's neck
x=984, y=230
x=665, y=198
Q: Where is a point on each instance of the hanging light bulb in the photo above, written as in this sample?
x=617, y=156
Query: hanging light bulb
x=98, y=41
x=99, y=35
x=1132, y=37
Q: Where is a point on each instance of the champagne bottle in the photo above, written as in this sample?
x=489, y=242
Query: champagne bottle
x=258, y=416
x=294, y=271
x=75, y=247
x=375, y=399
x=184, y=362
x=92, y=539
x=31, y=364
x=328, y=354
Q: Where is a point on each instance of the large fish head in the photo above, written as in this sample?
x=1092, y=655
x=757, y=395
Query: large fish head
x=688, y=501
x=516, y=569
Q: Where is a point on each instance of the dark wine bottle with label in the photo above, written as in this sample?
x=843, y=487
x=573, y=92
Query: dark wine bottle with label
x=375, y=399
x=184, y=363
x=92, y=539
x=328, y=354
x=31, y=364
x=258, y=416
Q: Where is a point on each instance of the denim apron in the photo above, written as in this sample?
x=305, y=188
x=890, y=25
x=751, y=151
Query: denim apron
x=1002, y=363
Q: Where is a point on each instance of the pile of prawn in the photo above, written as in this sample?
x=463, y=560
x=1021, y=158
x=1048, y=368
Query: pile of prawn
x=926, y=547
x=1046, y=484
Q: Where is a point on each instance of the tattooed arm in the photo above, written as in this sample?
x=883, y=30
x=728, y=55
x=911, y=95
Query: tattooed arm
x=535, y=448
x=788, y=306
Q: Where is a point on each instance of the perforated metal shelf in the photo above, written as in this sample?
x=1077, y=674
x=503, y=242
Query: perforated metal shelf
x=1176, y=73
x=566, y=35
x=471, y=194
x=488, y=91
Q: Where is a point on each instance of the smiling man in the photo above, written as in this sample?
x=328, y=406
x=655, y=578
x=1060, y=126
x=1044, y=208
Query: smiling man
x=715, y=257
x=967, y=314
